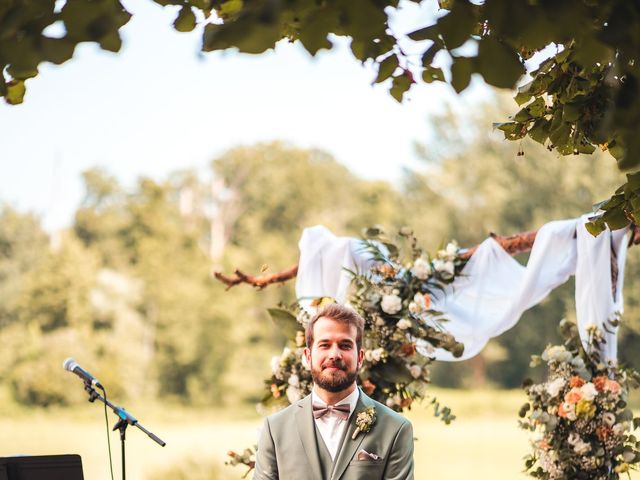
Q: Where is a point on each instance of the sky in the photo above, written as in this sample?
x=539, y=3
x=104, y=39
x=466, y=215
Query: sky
x=160, y=105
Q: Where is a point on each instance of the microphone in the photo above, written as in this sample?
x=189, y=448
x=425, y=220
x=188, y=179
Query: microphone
x=72, y=366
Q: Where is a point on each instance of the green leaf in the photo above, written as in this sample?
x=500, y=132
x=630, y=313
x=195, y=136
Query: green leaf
x=522, y=116
x=615, y=218
x=498, y=63
x=461, y=73
x=186, y=20
x=524, y=94
x=571, y=112
x=286, y=322
x=387, y=67
x=15, y=92
x=432, y=74
x=537, y=108
x=560, y=136
x=633, y=182
x=595, y=227
x=456, y=27
x=539, y=132
x=400, y=85
x=426, y=33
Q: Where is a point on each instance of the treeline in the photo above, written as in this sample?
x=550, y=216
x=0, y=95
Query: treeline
x=128, y=291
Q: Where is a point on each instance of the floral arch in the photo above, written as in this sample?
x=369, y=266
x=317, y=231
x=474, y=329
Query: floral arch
x=420, y=307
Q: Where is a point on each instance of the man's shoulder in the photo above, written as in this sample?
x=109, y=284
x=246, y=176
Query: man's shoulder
x=285, y=415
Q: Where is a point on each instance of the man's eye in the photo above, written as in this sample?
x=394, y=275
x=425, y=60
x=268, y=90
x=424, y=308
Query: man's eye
x=346, y=346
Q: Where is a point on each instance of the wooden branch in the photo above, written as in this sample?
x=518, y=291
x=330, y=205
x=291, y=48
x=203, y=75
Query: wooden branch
x=513, y=244
x=258, y=281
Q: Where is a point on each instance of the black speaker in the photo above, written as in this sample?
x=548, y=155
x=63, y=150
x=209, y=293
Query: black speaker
x=45, y=467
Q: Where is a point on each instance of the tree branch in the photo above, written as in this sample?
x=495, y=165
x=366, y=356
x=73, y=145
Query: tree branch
x=258, y=281
x=513, y=244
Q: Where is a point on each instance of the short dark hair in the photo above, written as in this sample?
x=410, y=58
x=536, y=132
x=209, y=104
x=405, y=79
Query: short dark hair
x=338, y=313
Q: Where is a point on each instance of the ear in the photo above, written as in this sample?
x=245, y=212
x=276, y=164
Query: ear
x=307, y=355
x=360, y=358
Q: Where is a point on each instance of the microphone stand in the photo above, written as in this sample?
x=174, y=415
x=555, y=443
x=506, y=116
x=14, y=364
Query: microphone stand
x=124, y=420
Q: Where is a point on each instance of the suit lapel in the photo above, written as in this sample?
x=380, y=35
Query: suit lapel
x=304, y=420
x=349, y=447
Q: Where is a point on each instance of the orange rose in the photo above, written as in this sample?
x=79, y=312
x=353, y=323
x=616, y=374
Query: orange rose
x=387, y=270
x=574, y=396
x=599, y=382
x=405, y=402
x=561, y=411
x=408, y=349
x=612, y=386
x=427, y=301
x=275, y=391
x=544, y=445
x=576, y=382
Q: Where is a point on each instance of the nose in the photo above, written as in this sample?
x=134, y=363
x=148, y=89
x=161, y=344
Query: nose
x=335, y=352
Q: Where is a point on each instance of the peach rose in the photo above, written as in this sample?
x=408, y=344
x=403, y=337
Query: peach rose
x=600, y=382
x=612, y=386
x=576, y=382
x=574, y=396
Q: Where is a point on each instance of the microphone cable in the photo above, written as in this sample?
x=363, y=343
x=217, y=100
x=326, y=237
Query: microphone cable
x=106, y=419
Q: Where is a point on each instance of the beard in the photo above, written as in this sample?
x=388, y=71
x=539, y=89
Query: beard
x=335, y=381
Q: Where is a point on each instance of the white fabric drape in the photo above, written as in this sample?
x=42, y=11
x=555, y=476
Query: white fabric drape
x=493, y=290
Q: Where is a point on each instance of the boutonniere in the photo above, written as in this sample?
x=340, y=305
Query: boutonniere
x=364, y=420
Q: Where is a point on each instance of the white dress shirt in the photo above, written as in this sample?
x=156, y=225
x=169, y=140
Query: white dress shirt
x=330, y=425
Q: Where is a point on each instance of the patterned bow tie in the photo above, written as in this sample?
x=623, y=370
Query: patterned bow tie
x=341, y=411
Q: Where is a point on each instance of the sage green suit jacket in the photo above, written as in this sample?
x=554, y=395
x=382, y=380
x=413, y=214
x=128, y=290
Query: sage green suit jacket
x=287, y=448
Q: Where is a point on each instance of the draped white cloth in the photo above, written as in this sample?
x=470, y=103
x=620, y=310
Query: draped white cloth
x=493, y=290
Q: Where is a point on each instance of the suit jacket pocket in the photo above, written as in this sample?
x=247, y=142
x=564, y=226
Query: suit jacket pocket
x=364, y=470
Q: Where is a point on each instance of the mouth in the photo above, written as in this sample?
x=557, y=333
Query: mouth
x=333, y=368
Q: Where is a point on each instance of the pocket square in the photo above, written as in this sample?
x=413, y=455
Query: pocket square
x=366, y=456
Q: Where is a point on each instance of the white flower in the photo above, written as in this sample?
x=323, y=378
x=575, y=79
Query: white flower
x=451, y=249
x=275, y=364
x=416, y=371
x=390, y=402
x=609, y=418
x=588, y=391
x=380, y=321
x=403, y=324
x=377, y=354
x=554, y=387
x=391, y=304
x=620, y=428
x=421, y=269
x=579, y=445
x=414, y=308
x=557, y=353
x=293, y=394
x=294, y=381
x=374, y=355
x=445, y=268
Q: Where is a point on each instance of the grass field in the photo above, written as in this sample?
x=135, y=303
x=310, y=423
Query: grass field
x=483, y=443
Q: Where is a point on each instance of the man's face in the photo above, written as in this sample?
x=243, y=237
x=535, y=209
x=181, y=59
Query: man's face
x=334, y=358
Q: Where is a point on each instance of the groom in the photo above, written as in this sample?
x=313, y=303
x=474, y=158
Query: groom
x=313, y=439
